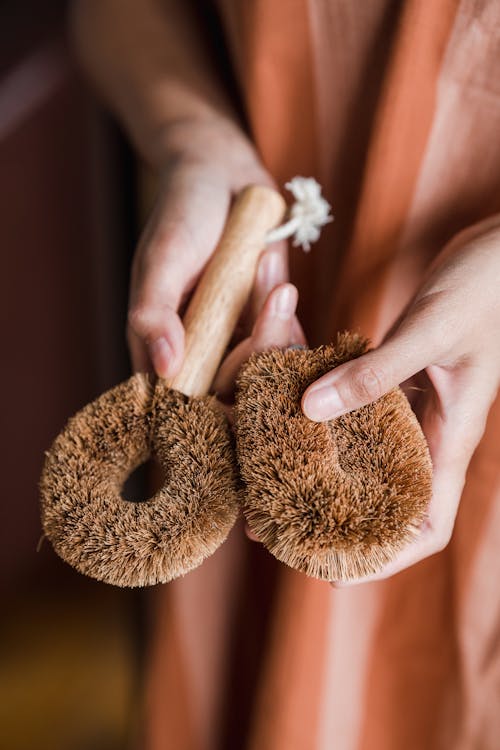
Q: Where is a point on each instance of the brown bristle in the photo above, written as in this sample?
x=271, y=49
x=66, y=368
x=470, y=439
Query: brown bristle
x=108, y=538
x=336, y=500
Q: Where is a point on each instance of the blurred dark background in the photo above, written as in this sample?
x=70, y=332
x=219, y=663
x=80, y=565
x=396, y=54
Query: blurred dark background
x=70, y=647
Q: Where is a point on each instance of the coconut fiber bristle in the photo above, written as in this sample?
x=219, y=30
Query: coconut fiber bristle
x=336, y=500
x=108, y=538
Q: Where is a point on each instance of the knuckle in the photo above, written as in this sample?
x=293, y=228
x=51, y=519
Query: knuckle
x=442, y=538
x=427, y=314
x=367, y=384
x=139, y=319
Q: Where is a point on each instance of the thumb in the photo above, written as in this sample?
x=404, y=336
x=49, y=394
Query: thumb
x=181, y=234
x=413, y=346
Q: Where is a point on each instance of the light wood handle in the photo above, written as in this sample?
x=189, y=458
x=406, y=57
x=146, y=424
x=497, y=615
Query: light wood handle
x=225, y=286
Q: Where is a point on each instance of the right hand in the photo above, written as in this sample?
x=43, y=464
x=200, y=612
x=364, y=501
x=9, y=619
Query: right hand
x=206, y=166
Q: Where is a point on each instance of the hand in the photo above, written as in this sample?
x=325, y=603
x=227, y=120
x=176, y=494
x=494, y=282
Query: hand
x=208, y=163
x=447, y=341
x=276, y=325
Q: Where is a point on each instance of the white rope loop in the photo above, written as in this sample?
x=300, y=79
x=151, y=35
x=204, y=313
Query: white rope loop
x=308, y=214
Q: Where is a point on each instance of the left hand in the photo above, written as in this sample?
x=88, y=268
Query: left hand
x=446, y=341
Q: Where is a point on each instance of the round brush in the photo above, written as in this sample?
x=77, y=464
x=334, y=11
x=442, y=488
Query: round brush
x=336, y=500
x=90, y=525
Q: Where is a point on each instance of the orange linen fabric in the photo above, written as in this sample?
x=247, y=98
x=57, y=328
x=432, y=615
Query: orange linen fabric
x=395, y=108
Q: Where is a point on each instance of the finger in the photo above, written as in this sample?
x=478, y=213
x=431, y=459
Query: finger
x=225, y=379
x=297, y=335
x=435, y=533
x=156, y=339
x=420, y=340
x=272, y=270
x=184, y=229
x=452, y=436
x=253, y=537
x=223, y=385
x=273, y=327
x=139, y=356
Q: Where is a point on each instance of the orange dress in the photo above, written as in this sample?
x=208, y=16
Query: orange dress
x=395, y=108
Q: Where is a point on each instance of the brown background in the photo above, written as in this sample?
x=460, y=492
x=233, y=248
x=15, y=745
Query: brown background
x=68, y=645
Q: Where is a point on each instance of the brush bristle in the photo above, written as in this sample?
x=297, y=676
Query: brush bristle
x=124, y=543
x=335, y=500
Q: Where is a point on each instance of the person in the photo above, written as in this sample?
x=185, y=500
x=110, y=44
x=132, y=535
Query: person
x=394, y=107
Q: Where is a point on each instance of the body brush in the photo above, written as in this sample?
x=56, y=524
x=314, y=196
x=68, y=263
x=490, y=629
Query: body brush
x=84, y=514
x=336, y=500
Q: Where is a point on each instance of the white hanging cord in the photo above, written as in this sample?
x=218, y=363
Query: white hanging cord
x=308, y=214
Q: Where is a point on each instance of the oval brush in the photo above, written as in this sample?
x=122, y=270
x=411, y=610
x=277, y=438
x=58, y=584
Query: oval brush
x=84, y=515
x=336, y=500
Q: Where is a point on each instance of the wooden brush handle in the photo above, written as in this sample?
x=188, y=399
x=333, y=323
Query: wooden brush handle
x=225, y=286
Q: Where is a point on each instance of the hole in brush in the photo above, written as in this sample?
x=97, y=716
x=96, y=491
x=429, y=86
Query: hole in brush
x=144, y=482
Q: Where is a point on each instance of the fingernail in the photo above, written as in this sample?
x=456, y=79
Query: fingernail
x=270, y=270
x=283, y=304
x=323, y=404
x=161, y=355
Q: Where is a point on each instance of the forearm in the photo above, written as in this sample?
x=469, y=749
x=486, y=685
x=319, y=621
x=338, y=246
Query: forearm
x=151, y=62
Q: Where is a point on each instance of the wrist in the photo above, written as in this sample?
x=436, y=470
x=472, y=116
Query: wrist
x=212, y=139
